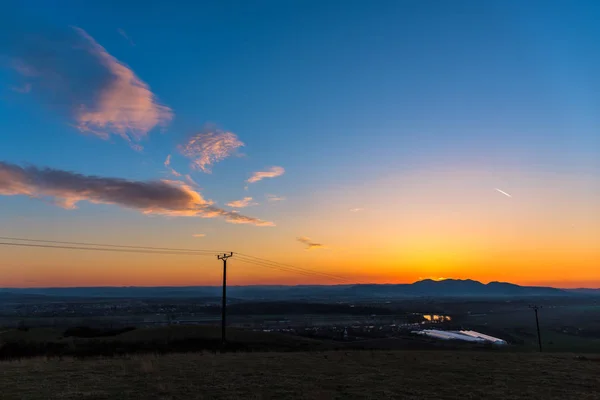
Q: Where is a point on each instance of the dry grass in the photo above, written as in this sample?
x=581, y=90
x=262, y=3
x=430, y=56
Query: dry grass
x=352, y=374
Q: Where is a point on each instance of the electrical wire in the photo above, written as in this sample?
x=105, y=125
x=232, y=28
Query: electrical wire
x=56, y=244
x=102, y=249
x=304, y=272
x=110, y=245
x=276, y=263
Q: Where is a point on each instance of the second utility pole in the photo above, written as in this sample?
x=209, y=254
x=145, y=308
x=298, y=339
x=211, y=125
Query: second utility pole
x=224, y=257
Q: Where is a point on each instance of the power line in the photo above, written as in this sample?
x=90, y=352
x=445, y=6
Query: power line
x=273, y=267
x=103, y=249
x=304, y=272
x=292, y=267
x=167, y=250
x=110, y=245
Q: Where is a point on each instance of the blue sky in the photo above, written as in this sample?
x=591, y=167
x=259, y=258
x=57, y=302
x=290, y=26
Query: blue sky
x=341, y=94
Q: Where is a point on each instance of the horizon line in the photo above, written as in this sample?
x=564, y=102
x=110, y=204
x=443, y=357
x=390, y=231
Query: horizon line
x=286, y=285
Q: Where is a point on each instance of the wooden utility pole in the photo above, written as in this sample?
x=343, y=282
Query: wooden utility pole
x=537, y=323
x=224, y=257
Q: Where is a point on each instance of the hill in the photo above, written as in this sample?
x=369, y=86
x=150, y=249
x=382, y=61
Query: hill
x=322, y=375
x=424, y=288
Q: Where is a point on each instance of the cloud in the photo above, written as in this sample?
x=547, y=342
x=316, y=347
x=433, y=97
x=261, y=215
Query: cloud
x=245, y=202
x=356, y=209
x=26, y=88
x=126, y=36
x=209, y=147
x=76, y=76
x=199, y=235
x=270, y=173
x=23, y=69
x=272, y=198
x=171, y=169
x=189, y=179
x=66, y=189
x=503, y=192
x=310, y=245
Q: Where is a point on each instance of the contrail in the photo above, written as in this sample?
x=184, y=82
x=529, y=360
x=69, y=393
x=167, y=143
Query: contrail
x=503, y=192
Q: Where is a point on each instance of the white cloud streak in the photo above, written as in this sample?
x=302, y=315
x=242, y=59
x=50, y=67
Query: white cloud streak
x=503, y=192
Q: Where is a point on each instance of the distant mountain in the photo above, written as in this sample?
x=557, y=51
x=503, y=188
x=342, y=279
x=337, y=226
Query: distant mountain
x=453, y=288
x=424, y=288
x=594, y=292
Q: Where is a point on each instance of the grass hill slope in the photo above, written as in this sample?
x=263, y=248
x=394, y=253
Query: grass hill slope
x=309, y=375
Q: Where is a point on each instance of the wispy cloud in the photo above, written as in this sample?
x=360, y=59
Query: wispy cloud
x=273, y=198
x=310, y=245
x=357, y=209
x=171, y=169
x=75, y=75
x=126, y=36
x=198, y=235
x=66, y=188
x=126, y=105
x=24, y=69
x=272, y=172
x=503, y=192
x=245, y=202
x=26, y=88
x=207, y=148
x=189, y=180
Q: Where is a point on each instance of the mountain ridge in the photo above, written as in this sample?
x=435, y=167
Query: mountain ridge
x=421, y=288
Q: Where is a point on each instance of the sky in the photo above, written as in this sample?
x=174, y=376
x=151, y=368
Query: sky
x=378, y=142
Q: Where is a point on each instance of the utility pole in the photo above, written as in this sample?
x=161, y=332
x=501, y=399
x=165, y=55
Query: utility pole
x=224, y=257
x=537, y=323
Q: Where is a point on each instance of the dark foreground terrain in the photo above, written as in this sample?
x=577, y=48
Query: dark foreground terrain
x=311, y=375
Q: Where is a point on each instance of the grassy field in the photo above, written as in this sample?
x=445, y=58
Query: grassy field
x=310, y=375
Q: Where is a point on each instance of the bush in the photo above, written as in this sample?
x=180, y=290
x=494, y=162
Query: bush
x=87, y=332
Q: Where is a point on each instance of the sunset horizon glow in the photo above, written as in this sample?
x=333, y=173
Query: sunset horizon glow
x=371, y=143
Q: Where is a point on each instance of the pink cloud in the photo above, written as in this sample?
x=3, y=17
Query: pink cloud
x=270, y=173
x=245, y=202
x=207, y=148
x=171, y=169
x=75, y=75
x=66, y=189
x=125, y=106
